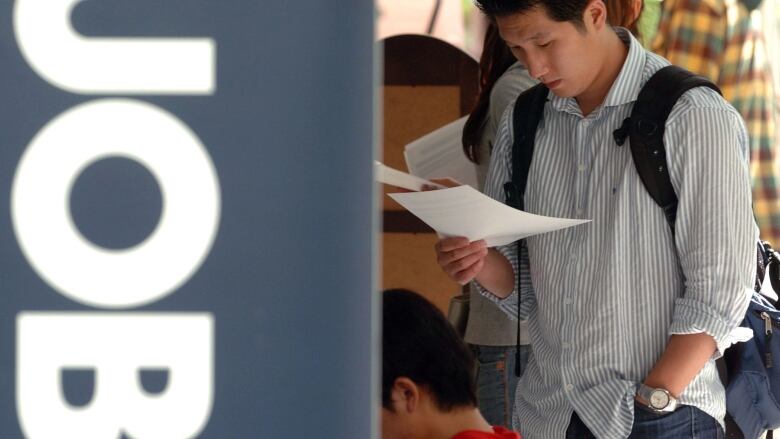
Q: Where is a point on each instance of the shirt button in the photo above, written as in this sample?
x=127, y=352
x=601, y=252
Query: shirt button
x=581, y=167
x=567, y=301
x=566, y=345
x=568, y=387
x=579, y=212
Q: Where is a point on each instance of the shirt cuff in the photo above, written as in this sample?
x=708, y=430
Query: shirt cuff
x=694, y=317
x=507, y=304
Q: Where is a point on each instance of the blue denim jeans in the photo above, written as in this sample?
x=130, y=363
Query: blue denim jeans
x=496, y=381
x=687, y=422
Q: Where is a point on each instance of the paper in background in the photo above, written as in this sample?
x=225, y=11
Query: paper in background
x=439, y=154
x=387, y=175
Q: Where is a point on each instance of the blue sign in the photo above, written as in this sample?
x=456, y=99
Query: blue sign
x=186, y=213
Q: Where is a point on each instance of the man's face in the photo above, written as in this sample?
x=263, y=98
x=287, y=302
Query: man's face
x=557, y=53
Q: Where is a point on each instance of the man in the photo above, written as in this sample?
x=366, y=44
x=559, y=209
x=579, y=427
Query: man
x=427, y=375
x=623, y=315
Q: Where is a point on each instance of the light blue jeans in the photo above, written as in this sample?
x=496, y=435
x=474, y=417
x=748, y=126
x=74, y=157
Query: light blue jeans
x=496, y=381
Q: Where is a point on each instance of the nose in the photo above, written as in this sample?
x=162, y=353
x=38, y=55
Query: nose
x=536, y=65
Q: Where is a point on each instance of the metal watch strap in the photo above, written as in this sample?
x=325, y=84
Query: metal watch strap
x=646, y=393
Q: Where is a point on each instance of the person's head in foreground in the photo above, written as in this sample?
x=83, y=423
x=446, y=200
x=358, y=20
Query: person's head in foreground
x=427, y=374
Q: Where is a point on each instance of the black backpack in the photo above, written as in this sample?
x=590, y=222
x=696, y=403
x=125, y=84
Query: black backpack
x=645, y=128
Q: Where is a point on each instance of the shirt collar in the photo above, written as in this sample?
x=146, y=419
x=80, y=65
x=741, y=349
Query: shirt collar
x=626, y=87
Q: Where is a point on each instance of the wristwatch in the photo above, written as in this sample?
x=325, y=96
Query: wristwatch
x=658, y=400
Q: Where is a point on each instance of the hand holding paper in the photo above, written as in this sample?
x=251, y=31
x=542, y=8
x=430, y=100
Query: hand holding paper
x=460, y=259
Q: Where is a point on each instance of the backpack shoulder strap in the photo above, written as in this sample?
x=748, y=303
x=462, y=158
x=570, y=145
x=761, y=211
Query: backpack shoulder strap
x=645, y=128
x=528, y=111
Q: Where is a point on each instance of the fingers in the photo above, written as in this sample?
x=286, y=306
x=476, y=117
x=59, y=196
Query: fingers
x=465, y=276
x=460, y=259
x=449, y=244
x=464, y=270
x=448, y=255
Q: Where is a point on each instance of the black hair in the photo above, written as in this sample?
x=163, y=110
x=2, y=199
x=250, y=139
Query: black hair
x=557, y=10
x=420, y=344
x=495, y=60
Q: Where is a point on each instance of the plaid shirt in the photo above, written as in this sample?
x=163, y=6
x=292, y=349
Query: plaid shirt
x=721, y=40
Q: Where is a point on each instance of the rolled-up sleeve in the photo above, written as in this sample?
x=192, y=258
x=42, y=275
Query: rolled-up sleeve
x=715, y=231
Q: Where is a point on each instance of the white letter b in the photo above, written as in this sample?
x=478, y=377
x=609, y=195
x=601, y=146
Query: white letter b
x=117, y=346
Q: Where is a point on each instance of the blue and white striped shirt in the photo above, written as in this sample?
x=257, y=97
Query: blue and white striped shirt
x=607, y=295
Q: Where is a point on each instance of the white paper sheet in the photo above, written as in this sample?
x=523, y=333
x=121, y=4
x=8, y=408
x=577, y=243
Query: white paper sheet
x=439, y=154
x=388, y=175
x=464, y=211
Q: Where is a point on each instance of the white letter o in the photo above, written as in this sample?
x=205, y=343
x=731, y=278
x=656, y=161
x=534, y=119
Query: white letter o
x=50, y=240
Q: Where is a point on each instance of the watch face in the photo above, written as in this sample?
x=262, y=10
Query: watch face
x=659, y=399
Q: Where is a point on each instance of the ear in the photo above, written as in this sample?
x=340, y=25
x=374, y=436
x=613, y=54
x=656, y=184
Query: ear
x=405, y=395
x=595, y=15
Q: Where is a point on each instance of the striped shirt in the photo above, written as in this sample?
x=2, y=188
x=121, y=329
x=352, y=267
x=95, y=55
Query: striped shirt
x=607, y=295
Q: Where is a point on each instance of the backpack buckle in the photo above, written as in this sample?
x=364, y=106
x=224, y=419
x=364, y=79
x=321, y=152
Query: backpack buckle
x=645, y=127
x=621, y=133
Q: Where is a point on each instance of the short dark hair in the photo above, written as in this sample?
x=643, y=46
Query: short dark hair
x=420, y=344
x=557, y=10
